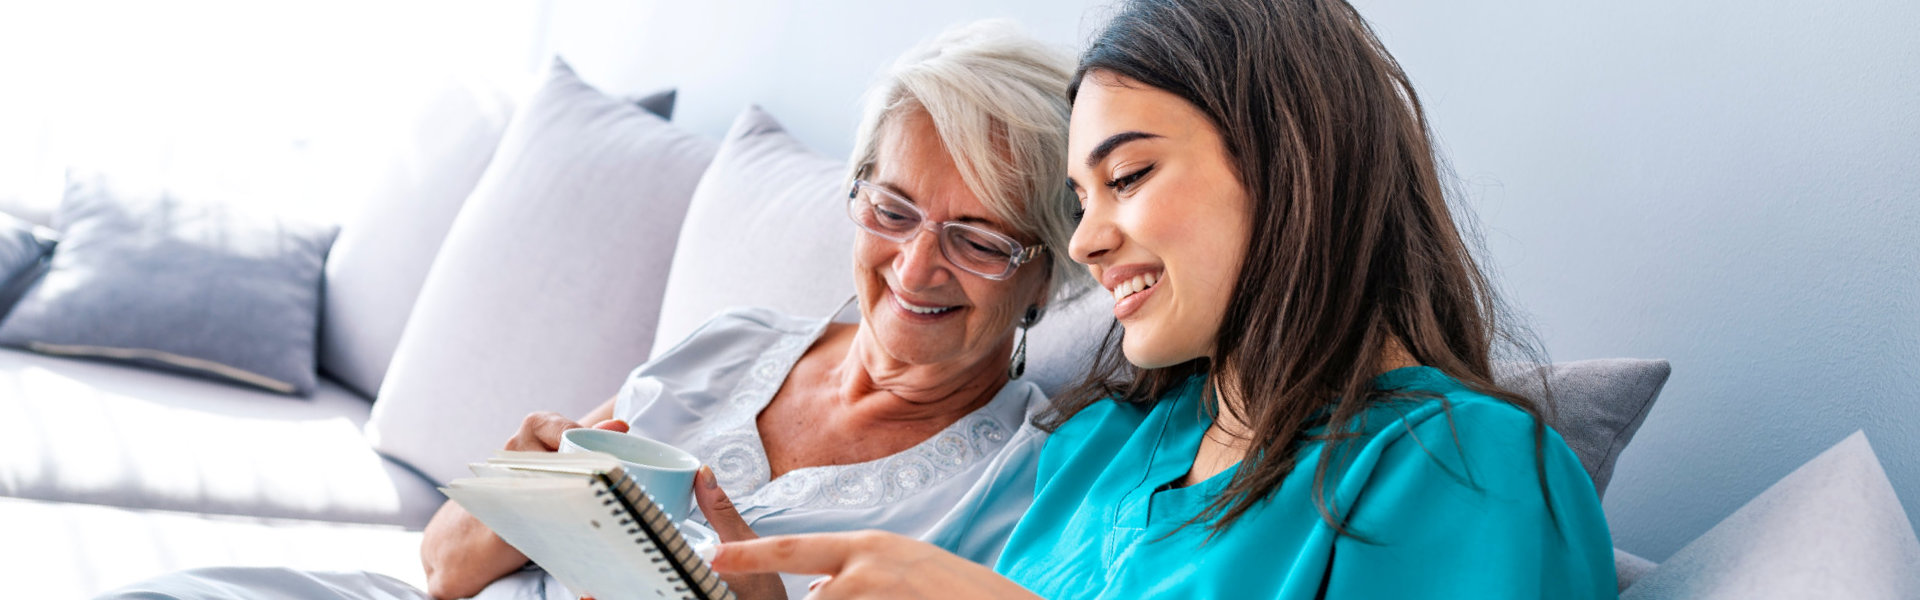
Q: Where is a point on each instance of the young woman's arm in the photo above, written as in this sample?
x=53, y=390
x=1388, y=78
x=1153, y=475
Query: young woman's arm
x=868, y=564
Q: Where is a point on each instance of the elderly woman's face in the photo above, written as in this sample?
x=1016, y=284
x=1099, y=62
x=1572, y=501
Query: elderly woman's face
x=920, y=308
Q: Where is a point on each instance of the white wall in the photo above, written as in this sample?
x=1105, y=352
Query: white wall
x=1732, y=186
x=806, y=62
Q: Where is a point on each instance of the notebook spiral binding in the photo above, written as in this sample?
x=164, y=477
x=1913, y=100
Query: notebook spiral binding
x=680, y=564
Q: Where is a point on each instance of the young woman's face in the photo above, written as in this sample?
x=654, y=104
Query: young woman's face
x=1165, y=220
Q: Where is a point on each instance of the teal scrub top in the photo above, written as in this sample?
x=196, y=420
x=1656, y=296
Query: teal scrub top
x=1445, y=515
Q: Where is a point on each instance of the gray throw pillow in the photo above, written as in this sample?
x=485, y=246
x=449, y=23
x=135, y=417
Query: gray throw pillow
x=1599, y=404
x=144, y=276
x=659, y=103
x=23, y=258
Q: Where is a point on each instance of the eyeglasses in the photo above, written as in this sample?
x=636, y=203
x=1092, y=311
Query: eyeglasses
x=974, y=249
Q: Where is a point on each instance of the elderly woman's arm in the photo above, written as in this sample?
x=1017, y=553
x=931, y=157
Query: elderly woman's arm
x=462, y=555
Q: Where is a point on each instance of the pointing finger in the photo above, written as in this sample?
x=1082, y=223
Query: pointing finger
x=811, y=554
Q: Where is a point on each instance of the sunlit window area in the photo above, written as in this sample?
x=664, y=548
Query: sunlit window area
x=281, y=105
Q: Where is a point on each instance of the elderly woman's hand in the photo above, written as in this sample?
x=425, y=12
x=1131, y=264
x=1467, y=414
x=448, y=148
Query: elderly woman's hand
x=731, y=527
x=540, y=432
x=868, y=564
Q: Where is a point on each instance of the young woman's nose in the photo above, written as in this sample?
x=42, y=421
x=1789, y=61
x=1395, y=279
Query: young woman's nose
x=1094, y=237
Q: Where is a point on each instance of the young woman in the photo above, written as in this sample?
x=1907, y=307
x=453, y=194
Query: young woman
x=1309, y=409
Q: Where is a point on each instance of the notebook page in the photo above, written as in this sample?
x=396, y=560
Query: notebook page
x=571, y=532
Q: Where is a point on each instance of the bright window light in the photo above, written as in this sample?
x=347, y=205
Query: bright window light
x=284, y=105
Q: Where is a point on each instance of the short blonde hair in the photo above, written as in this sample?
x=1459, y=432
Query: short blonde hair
x=999, y=100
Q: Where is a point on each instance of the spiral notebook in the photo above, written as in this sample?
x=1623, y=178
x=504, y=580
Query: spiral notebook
x=581, y=518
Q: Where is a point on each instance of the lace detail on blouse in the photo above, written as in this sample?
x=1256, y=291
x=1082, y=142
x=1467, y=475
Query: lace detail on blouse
x=739, y=458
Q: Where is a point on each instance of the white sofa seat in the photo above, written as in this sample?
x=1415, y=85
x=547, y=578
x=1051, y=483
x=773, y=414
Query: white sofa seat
x=77, y=430
x=64, y=550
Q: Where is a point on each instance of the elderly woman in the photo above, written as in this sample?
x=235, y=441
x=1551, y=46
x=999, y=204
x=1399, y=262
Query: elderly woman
x=903, y=415
x=905, y=419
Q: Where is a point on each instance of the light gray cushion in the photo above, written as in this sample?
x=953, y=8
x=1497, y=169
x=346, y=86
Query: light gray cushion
x=24, y=248
x=1060, y=349
x=1628, y=568
x=376, y=267
x=103, y=433
x=198, y=287
x=767, y=227
x=545, y=293
x=1598, y=405
x=1832, y=528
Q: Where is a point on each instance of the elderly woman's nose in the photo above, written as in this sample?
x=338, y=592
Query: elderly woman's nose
x=920, y=264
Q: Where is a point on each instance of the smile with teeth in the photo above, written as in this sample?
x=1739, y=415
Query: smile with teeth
x=922, y=310
x=1135, y=285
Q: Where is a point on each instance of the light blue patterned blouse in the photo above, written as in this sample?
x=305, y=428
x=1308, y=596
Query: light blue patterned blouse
x=962, y=489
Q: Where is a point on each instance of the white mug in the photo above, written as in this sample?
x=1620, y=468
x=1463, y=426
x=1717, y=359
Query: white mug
x=663, y=471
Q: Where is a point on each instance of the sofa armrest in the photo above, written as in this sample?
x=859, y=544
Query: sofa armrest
x=1831, y=529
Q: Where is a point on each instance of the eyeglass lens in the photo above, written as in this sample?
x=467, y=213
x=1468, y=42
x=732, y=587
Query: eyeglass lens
x=975, y=249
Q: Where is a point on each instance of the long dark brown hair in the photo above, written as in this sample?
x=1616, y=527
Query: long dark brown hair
x=1353, y=243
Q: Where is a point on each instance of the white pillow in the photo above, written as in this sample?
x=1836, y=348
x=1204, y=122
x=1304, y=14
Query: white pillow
x=1833, y=528
x=546, y=291
x=377, y=265
x=767, y=227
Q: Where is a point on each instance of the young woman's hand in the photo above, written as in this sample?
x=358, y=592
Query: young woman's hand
x=868, y=564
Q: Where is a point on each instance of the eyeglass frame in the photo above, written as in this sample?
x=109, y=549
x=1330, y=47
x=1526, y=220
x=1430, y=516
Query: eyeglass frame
x=1021, y=255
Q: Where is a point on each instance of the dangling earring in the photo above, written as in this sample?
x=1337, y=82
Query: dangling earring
x=1020, y=351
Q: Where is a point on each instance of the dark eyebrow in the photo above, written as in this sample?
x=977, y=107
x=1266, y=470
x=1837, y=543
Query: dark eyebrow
x=903, y=194
x=1114, y=142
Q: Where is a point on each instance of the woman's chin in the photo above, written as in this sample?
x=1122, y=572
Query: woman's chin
x=912, y=349
x=1144, y=354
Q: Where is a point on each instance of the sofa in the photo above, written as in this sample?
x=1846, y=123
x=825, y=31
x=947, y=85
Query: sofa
x=530, y=252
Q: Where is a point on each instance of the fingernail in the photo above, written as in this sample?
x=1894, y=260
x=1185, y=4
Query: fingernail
x=707, y=480
x=713, y=560
x=818, y=582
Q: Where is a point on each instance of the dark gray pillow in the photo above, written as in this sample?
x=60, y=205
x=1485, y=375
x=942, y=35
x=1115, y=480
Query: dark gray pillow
x=1598, y=404
x=659, y=103
x=141, y=275
x=23, y=258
